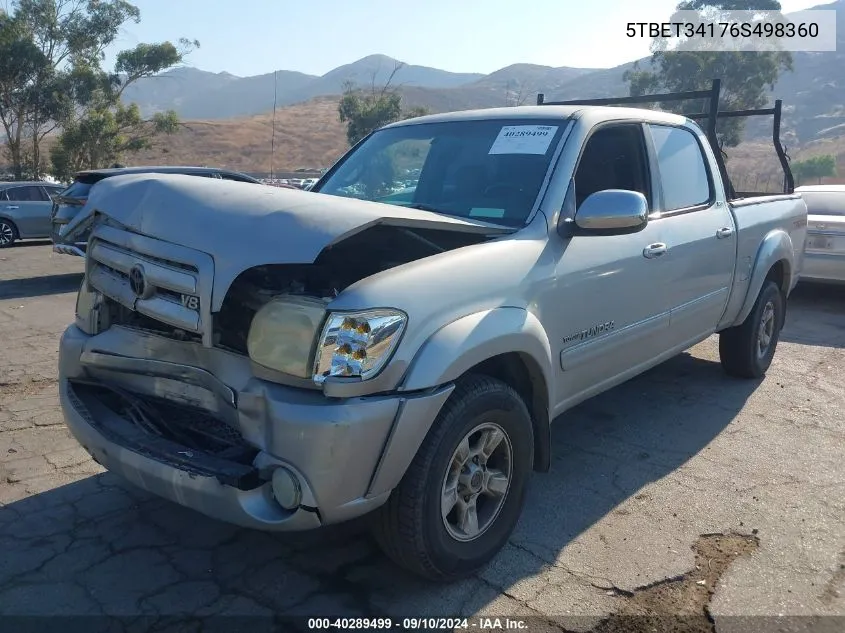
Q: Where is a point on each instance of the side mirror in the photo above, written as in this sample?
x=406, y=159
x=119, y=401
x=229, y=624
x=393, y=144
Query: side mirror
x=613, y=211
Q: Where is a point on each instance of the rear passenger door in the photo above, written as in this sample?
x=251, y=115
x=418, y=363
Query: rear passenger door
x=29, y=208
x=699, y=231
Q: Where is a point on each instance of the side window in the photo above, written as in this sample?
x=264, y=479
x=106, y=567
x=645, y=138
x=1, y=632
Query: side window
x=683, y=172
x=614, y=158
x=52, y=192
x=27, y=194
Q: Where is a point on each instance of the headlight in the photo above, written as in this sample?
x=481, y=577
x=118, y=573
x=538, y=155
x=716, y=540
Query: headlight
x=357, y=344
x=87, y=307
x=282, y=333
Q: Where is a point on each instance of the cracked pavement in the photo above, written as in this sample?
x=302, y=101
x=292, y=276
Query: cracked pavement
x=639, y=474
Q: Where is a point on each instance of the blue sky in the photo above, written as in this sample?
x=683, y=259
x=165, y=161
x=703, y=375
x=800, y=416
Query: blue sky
x=251, y=37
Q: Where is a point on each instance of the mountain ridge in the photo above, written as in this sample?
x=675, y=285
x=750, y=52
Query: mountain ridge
x=813, y=93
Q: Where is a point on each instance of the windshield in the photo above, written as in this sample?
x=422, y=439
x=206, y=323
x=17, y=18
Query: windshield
x=490, y=170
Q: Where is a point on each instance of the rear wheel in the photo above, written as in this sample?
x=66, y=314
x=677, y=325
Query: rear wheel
x=462, y=495
x=746, y=351
x=8, y=233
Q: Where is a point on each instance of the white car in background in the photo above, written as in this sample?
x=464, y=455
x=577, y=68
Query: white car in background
x=824, y=257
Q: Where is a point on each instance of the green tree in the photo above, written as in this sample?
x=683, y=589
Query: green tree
x=818, y=167
x=106, y=128
x=366, y=110
x=22, y=67
x=104, y=134
x=747, y=77
x=51, y=74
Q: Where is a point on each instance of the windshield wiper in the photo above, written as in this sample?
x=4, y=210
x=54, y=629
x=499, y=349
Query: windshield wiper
x=421, y=206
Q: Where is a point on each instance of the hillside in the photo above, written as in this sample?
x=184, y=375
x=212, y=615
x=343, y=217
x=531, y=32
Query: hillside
x=813, y=94
x=228, y=118
x=309, y=135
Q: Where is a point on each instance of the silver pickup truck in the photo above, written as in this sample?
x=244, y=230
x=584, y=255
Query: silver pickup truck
x=286, y=360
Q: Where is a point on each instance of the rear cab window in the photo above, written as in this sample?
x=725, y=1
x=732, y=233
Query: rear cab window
x=684, y=175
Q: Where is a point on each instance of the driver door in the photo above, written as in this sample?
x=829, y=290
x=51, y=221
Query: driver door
x=612, y=300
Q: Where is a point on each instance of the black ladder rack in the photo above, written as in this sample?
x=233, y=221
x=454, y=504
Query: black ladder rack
x=711, y=116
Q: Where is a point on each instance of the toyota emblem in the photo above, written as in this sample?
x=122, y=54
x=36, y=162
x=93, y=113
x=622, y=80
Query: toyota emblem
x=138, y=281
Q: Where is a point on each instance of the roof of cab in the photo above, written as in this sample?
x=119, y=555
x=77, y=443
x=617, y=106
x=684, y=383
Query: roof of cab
x=547, y=112
x=26, y=183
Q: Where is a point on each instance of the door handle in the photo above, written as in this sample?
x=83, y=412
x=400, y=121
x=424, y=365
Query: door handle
x=655, y=250
x=12, y=207
x=724, y=232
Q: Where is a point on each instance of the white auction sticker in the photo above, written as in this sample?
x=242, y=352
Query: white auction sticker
x=523, y=139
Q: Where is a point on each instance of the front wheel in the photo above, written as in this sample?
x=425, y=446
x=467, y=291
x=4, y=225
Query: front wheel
x=462, y=495
x=746, y=351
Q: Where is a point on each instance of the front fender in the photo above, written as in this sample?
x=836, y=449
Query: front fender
x=776, y=247
x=470, y=340
x=446, y=356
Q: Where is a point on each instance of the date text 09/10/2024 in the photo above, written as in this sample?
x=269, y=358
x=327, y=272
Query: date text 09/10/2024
x=416, y=624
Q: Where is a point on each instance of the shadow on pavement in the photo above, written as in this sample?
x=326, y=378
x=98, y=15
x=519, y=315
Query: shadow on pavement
x=100, y=546
x=44, y=242
x=816, y=315
x=39, y=286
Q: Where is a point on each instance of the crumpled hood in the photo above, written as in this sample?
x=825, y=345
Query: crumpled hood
x=242, y=225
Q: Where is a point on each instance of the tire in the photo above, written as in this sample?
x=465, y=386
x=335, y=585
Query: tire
x=8, y=233
x=746, y=351
x=410, y=528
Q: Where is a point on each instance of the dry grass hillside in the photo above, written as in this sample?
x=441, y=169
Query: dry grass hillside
x=754, y=166
x=307, y=135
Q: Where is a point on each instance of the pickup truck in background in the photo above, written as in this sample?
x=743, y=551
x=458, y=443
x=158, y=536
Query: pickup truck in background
x=824, y=259
x=285, y=360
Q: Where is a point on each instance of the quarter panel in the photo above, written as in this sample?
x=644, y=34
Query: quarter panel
x=776, y=246
x=41, y=218
x=769, y=229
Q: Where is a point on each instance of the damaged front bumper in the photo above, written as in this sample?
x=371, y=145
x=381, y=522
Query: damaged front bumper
x=192, y=424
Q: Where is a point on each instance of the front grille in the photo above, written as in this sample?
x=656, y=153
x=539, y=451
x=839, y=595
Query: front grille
x=157, y=293
x=189, y=426
x=184, y=437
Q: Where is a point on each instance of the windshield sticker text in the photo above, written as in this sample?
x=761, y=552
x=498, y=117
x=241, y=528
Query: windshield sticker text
x=523, y=139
